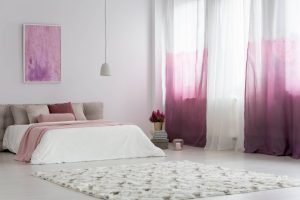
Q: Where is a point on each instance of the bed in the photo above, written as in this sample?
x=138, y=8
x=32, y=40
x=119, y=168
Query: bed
x=76, y=141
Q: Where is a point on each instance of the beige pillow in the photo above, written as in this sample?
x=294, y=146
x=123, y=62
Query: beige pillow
x=93, y=110
x=19, y=114
x=34, y=111
x=78, y=111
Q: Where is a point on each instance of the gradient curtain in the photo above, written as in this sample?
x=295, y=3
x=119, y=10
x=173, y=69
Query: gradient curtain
x=205, y=72
x=272, y=100
x=186, y=67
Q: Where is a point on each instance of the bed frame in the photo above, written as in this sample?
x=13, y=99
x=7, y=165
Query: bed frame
x=92, y=110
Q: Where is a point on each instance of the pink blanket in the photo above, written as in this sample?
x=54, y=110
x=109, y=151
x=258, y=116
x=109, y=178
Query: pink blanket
x=34, y=134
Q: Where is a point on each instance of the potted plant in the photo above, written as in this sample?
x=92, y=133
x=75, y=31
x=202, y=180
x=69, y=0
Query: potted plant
x=157, y=118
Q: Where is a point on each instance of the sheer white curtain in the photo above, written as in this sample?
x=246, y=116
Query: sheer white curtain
x=227, y=35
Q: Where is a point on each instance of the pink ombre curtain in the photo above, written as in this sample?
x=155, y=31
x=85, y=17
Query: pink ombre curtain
x=186, y=67
x=272, y=100
x=186, y=98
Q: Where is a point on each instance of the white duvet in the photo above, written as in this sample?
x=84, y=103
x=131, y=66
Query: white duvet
x=85, y=144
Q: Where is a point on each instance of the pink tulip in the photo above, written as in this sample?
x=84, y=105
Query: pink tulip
x=157, y=116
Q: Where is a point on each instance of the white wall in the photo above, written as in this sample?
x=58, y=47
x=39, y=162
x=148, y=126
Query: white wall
x=126, y=95
x=158, y=55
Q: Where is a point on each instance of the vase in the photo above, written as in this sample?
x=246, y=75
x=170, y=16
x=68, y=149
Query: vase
x=158, y=126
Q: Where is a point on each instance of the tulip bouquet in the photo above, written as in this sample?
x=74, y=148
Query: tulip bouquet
x=157, y=116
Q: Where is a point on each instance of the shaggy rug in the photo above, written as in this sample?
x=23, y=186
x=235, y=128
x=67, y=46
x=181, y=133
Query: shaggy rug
x=165, y=181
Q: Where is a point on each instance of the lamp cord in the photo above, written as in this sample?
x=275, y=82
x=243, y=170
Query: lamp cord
x=105, y=34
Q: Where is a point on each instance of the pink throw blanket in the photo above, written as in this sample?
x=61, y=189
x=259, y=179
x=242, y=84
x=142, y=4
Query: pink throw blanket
x=35, y=133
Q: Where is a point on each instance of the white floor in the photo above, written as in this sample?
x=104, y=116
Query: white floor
x=16, y=183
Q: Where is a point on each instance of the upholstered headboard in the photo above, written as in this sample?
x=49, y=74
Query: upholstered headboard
x=92, y=111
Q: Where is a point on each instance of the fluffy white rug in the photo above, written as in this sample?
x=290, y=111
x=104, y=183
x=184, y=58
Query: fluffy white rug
x=164, y=181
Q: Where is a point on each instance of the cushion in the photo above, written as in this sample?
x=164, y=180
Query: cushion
x=19, y=114
x=33, y=111
x=78, y=111
x=61, y=108
x=56, y=117
x=93, y=110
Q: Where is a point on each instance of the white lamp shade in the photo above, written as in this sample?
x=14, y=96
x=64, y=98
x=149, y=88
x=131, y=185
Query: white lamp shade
x=105, y=70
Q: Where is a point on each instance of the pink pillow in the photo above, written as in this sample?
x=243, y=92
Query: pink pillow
x=55, y=117
x=61, y=108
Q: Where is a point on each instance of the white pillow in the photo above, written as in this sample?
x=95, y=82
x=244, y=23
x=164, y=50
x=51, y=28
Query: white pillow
x=78, y=111
x=34, y=111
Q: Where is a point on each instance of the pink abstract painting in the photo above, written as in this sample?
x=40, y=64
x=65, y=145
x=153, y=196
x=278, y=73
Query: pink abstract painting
x=42, y=53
